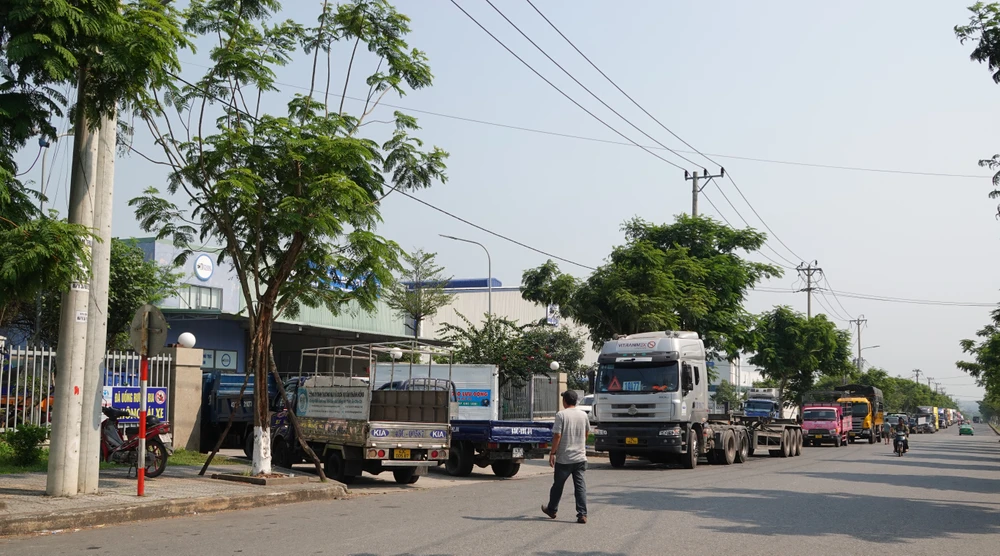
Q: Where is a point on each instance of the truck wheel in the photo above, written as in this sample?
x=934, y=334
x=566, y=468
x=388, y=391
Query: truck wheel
x=836, y=442
x=743, y=449
x=728, y=448
x=871, y=436
x=335, y=468
x=505, y=468
x=750, y=443
x=617, y=458
x=798, y=443
x=405, y=475
x=281, y=454
x=786, y=443
x=459, y=462
x=248, y=446
x=690, y=459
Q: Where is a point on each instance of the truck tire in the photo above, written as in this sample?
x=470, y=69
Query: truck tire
x=505, y=468
x=743, y=448
x=798, y=443
x=750, y=443
x=690, y=459
x=405, y=475
x=786, y=444
x=248, y=446
x=460, y=461
x=728, y=454
x=335, y=468
x=617, y=458
x=281, y=453
x=836, y=441
x=871, y=436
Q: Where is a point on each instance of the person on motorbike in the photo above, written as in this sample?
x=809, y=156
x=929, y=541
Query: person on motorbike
x=905, y=429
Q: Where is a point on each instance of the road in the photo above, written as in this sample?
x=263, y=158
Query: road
x=941, y=498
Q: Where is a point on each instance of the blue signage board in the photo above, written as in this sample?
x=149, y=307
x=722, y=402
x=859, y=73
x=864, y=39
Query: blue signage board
x=129, y=399
x=473, y=397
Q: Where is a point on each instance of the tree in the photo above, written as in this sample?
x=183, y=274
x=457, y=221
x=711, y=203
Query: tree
x=727, y=393
x=520, y=351
x=791, y=349
x=133, y=282
x=985, y=353
x=292, y=197
x=421, y=290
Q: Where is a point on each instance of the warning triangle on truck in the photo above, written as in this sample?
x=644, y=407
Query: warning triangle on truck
x=615, y=385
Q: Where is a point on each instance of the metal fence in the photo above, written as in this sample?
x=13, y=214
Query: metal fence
x=534, y=399
x=28, y=374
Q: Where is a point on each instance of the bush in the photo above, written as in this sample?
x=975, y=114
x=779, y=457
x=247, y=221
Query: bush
x=25, y=443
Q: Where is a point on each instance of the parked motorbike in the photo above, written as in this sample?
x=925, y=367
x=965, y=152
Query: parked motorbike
x=116, y=449
x=900, y=444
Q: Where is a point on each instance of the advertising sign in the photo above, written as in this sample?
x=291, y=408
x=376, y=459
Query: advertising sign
x=334, y=402
x=128, y=398
x=473, y=397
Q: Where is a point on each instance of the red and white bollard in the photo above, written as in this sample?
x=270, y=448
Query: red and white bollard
x=143, y=378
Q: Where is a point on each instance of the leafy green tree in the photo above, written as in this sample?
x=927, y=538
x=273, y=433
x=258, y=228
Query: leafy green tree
x=520, y=351
x=725, y=393
x=133, y=282
x=985, y=354
x=293, y=196
x=689, y=275
x=420, y=292
x=791, y=349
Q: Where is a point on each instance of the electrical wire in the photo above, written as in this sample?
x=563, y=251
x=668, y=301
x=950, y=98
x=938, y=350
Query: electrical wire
x=37, y=156
x=543, y=78
x=830, y=287
x=831, y=310
x=726, y=197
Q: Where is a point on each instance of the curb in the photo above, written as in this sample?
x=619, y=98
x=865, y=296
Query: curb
x=158, y=509
x=995, y=428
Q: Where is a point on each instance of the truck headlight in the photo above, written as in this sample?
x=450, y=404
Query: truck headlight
x=676, y=431
x=600, y=432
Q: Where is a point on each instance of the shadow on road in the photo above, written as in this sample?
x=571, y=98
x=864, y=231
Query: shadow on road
x=759, y=512
x=936, y=482
x=912, y=461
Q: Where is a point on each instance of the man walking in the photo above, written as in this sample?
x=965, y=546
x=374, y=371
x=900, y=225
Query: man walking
x=569, y=456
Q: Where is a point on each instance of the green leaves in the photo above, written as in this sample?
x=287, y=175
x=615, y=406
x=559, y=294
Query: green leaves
x=421, y=290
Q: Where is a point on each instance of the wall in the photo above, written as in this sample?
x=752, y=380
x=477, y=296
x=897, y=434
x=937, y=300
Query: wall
x=213, y=334
x=222, y=276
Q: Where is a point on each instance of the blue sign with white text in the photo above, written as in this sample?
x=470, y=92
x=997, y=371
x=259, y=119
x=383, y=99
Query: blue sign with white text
x=476, y=397
x=129, y=399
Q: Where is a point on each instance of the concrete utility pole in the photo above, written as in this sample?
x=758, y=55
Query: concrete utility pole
x=808, y=271
x=858, y=321
x=64, y=450
x=917, y=372
x=695, y=189
x=97, y=324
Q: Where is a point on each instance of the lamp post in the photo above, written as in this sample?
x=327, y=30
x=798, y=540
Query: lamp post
x=860, y=362
x=489, y=269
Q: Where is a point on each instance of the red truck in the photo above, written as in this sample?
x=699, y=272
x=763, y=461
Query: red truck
x=825, y=421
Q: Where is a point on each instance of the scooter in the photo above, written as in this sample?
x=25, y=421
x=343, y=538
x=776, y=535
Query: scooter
x=116, y=449
x=900, y=444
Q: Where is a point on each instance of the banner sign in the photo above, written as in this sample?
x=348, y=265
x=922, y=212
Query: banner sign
x=129, y=399
x=334, y=402
x=473, y=397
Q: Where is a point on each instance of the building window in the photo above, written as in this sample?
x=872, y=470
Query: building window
x=200, y=297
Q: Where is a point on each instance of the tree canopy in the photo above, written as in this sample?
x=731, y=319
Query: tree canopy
x=901, y=395
x=690, y=275
x=420, y=291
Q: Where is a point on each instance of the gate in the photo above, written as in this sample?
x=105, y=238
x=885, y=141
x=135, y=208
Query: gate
x=27, y=381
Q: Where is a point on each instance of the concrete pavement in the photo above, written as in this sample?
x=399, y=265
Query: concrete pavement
x=941, y=498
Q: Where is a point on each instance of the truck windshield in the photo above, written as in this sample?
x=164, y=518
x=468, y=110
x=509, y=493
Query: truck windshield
x=638, y=378
x=759, y=405
x=819, y=415
x=859, y=409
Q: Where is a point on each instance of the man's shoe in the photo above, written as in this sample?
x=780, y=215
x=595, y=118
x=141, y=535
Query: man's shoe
x=581, y=519
x=552, y=515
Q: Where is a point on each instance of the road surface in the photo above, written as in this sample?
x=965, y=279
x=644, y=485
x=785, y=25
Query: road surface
x=941, y=498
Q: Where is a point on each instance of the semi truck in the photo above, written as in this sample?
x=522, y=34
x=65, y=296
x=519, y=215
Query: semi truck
x=932, y=416
x=353, y=427
x=867, y=411
x=765, y=402
x=651, y=401
x=478, y=437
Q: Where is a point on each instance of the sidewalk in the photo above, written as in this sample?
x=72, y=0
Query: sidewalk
x=24, y=508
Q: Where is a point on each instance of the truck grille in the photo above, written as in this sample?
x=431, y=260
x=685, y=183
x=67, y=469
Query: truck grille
x=856, y=423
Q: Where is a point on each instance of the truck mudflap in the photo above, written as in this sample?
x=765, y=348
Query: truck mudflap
x=636, y=440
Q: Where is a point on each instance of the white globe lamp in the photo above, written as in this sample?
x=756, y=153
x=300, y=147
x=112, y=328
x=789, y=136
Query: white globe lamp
x=187, y=340
x=554, y=365
x=396, y=354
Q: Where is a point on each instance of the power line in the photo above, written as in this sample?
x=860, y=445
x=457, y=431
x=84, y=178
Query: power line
x=779, y=255
x=543, y=78
x=830, y=287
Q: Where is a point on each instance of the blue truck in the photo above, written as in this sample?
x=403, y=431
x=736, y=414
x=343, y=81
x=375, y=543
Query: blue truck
x=220, y=398
x=478, y=436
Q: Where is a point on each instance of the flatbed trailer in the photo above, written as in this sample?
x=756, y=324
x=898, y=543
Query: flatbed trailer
x=778, y=437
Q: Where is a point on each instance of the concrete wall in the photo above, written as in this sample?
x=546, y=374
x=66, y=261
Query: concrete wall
x=184, y=399
x=213, y=334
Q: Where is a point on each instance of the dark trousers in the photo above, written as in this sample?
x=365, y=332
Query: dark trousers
x=563, y=471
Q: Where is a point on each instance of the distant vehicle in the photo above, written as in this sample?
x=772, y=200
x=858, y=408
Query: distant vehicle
x=586, y=404
x=825, y=422
x=976, y=419
x=966, y=429
x=867, y=411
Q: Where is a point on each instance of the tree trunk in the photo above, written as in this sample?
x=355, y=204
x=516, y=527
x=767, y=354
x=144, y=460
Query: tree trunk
x=295, y=422
x=260, y=350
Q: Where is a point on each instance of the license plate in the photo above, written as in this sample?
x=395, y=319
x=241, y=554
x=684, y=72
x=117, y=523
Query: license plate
x=631, y=440
x=165, y=438
x=518, y=453
x=819, y=436
x=401, y=454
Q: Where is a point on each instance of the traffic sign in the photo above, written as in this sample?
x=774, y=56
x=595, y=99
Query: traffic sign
x=149, y=319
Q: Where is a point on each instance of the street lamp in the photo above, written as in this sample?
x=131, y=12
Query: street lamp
x=860, y=362
x=489, y=270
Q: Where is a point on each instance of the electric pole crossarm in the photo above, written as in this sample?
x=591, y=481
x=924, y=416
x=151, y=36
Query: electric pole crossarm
x=695, y=179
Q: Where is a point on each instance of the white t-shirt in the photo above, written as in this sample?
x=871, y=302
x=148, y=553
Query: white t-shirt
x=573, y=425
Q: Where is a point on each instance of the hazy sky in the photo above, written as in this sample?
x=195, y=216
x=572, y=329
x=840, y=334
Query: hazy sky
x=877, y=85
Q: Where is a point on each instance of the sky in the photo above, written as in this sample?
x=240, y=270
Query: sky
x=871, y=85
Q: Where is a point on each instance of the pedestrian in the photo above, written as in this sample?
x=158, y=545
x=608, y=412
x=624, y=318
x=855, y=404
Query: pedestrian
x=886, y=432
x=569, y=456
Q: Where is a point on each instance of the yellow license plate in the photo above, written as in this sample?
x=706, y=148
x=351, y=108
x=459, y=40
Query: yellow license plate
x=819, y=436
x=401, y=454
x=631, y=440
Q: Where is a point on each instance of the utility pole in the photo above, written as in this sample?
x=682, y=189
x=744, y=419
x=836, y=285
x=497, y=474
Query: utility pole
x=694, y=178
x=917, y=372
x=97, y=324
x=859, y=322
x=808, y=271
x=64, y=451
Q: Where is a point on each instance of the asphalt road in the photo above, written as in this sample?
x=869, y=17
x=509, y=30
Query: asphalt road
x=939, y=499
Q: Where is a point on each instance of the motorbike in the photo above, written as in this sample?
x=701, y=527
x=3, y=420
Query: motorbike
x=900, y=444
x=115, y=449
